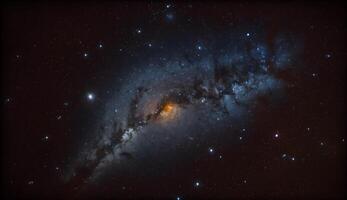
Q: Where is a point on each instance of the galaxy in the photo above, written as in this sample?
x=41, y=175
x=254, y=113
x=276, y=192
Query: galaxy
x=174, y=100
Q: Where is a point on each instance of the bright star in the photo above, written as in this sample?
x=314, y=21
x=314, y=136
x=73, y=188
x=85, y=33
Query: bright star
x=210, y=150
x=90, y=96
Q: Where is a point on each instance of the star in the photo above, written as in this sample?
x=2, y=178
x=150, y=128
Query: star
x=210, y=150
x=248, y=34
x=90, y=96
x=138, y=31
x=100, y=46
x=203, y=100
x=169, y=16
x=197, y=184
x=85, y=55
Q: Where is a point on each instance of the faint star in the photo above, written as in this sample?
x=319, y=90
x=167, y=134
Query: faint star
x=178, y=198
x=168, y=5
x=100, y=45
x=284, y=155
x=322, y=144
x=248, y=34
x=276, y=135
x=328, y=55
x=293, y=158
x=150, y=45
x=199, y=47
x=85, y=55
x=170, y=16
x=46, y=137
x=138, y=31
x=31, y=182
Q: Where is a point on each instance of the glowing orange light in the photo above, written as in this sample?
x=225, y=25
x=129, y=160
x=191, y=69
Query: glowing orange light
x=168, y=110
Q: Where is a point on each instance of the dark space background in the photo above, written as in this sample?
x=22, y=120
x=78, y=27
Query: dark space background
x=51, y=57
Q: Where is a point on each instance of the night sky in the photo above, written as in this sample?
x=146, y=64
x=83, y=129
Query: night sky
x=173, y=100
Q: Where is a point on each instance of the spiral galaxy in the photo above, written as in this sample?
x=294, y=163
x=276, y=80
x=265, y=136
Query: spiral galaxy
x=185, y=99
